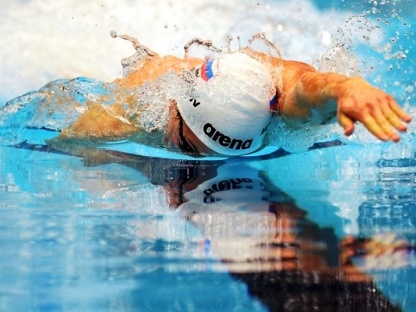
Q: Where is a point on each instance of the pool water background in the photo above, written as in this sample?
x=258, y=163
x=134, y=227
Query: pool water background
x=103, y=238
x=82, y=236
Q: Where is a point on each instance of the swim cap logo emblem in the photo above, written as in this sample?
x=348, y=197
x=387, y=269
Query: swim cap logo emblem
x=206, y=69
x=225, y=140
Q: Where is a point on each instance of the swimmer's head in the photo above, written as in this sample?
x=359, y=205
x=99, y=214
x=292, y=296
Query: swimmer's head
x=229, y=106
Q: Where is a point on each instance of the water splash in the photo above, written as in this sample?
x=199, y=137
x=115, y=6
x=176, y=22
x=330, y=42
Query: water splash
x=53, y=107
x=58, y=104
x=339, y=59
x=350, y=43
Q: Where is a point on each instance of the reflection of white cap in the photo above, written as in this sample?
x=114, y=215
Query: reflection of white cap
x=230, y=208
x=229, y=108
x=236, y=188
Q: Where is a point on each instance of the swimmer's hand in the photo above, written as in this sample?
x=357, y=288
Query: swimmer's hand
x=375, y=109
x=357, y=101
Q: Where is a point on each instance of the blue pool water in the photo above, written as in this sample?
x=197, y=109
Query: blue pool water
x=332, y=228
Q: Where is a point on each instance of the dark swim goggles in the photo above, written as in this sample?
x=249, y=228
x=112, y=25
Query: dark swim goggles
x=184, y=145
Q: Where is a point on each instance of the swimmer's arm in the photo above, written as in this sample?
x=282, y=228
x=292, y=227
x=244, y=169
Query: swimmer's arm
x=100, y=122
x=353, y=99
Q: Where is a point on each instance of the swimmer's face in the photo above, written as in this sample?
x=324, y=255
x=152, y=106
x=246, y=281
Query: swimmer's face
x=180, y=135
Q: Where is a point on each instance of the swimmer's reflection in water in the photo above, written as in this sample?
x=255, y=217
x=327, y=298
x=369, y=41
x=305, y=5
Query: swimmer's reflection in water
x=264, y=239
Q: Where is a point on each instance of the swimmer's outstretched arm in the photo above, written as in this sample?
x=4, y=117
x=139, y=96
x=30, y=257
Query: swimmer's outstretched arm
x=305, y=90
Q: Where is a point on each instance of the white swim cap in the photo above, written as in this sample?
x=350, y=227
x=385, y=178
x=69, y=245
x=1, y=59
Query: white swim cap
x=229, y=107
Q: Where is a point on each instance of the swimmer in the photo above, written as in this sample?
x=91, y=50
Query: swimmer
x=226, y=102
